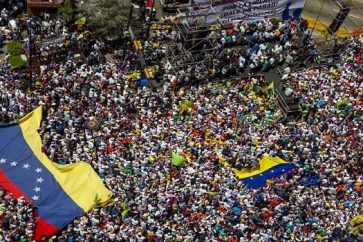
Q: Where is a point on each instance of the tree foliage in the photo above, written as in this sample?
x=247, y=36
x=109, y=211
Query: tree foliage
x=17, y=62
x=66, y=12
x=14, y=48
x=107, y=17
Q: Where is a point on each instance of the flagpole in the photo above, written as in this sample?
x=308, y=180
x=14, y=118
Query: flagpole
x=130, y=15
x=30, y=66
x=150, y=18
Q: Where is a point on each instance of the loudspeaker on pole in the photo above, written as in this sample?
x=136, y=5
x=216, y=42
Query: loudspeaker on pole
x=338, y=20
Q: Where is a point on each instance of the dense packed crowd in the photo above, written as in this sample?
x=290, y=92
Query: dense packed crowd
x=94, y=112
x=232, y=49
x=10, y=9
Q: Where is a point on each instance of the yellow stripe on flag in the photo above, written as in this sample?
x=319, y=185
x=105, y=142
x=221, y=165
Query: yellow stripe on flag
x=78, y=180
x=266, y=163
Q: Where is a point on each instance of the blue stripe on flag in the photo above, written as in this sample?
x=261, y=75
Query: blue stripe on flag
x=20, y=165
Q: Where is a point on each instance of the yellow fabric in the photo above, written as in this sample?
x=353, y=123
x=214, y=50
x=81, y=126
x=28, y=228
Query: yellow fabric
x=223, y=160
x=79, y=180
x=149, y=73
x=185, y=106
x=138, y=45
x=266, y=163
x=81, y=36
x=357, y=229
x=133, y=75
x=356, y=224
x=81, y=21
x=356, y=220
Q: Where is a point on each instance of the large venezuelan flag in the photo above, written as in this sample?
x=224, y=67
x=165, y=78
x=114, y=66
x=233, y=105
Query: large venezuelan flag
x=270, y=167
x=60, y=193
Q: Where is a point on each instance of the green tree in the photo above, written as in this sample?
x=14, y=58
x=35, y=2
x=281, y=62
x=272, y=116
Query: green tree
x=66, y=12
x=17, y=62
x=15, y=48
x=107, y=17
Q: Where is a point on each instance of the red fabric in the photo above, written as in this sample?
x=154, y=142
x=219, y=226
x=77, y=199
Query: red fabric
x=221, y=209
x=232, y=239
x=109, y=149
x=10, y=186
x=274, y=202
x=265, y=215
x=195, y=133
x=42, y=228
x=358, y=58
x=200, y=216
x=149, y=4
x=340, y=188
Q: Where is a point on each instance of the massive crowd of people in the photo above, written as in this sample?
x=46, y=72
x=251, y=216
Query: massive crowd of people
x=231, y=50
x=94, y=112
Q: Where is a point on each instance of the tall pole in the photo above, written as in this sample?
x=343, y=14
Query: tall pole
x=317, y=17
x=130, y=16
x=152, y=9
x=30, y=66
x=150, y=18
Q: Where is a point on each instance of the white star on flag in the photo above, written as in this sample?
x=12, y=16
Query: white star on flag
x=35, y=198
x=40, y=180
x=272, y=171
x=14, y=163
x=37, y=189
x=283, y=169
x=2, y=161
x=26, y=166
x=38, y=170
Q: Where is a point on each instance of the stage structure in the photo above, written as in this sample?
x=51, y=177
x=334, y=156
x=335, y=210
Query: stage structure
x=193, y=45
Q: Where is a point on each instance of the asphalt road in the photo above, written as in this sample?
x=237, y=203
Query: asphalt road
x=326, y=10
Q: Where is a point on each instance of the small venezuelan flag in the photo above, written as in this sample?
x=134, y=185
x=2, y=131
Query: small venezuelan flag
x=59, y=193
x=269, y=167
x=81, y=21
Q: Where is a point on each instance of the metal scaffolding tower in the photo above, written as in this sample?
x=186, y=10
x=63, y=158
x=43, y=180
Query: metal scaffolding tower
x=193, y=44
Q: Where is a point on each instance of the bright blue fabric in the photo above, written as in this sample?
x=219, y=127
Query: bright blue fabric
x=259, y=180
x=53, y=204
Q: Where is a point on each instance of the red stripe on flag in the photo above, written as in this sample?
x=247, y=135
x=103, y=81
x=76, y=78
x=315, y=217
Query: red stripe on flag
x=42, y=228
x=8, y=185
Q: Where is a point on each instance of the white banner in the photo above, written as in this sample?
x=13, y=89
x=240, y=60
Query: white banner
x=252, y=10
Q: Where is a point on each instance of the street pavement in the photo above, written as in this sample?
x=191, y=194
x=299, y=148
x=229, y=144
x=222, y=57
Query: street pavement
x=326, y=10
